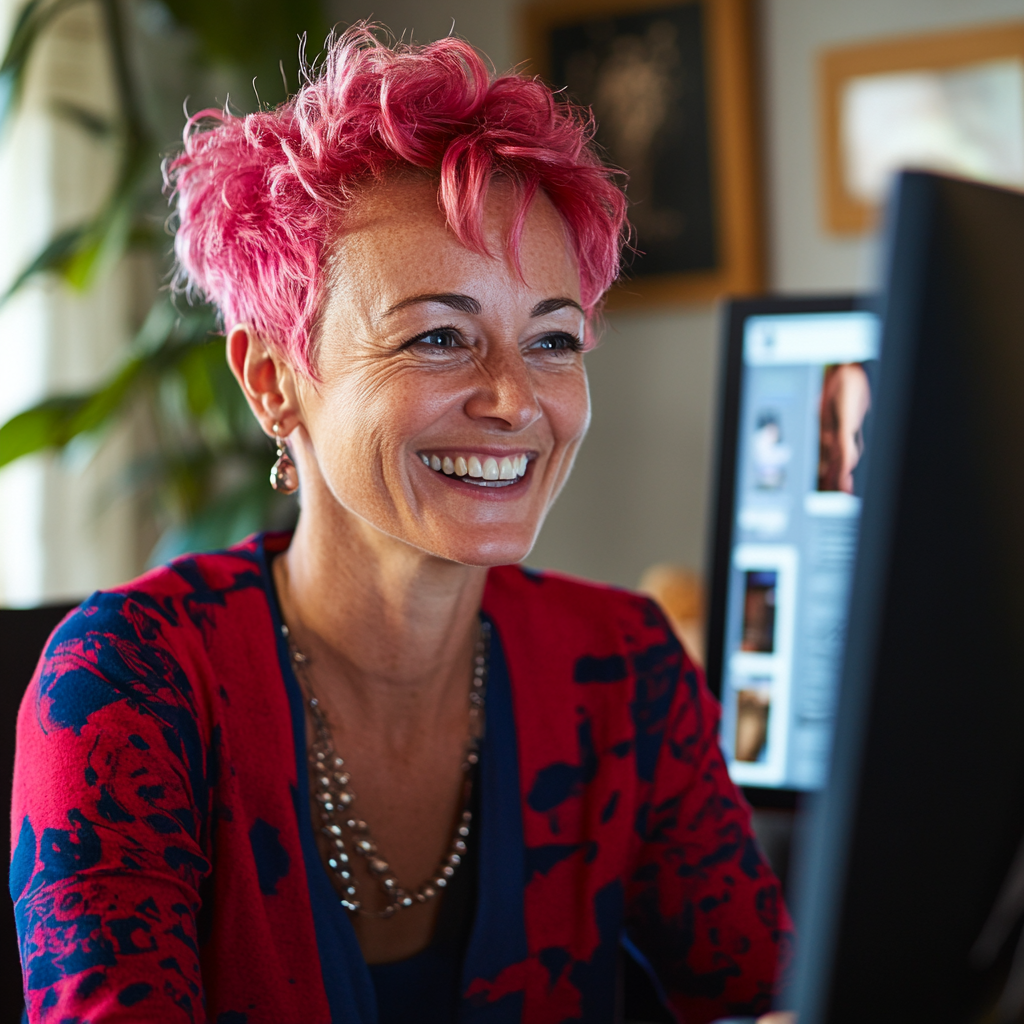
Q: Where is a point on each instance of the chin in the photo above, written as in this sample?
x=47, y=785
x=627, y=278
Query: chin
x=486, y=552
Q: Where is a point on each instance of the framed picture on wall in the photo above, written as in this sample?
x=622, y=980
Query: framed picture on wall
x=671, y=85
x=950, y=102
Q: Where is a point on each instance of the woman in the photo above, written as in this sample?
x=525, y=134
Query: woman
x=373, y=770
x=845, y=404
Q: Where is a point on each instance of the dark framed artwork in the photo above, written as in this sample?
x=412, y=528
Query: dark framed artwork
x=670, y=83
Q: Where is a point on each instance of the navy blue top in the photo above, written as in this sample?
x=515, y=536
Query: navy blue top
x=426, y=988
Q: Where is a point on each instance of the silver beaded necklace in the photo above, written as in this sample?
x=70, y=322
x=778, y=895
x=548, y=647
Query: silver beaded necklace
x=330, y=783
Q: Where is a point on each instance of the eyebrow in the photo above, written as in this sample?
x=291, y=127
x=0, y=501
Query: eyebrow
x=552, y=305
x=467, y=304
x=463, y=303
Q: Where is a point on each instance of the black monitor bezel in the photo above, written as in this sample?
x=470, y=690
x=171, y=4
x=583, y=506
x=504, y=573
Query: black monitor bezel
x=735, y=315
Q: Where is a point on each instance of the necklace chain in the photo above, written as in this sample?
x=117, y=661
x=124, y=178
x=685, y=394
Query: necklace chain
x=345, y=832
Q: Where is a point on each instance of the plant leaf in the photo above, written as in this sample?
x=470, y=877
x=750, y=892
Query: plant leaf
x=96, y=125
x=199, y=368
x=256, y=37
x=80, y=253
x=53, y=422
x=156, y=328
x=207, y=463
x=221, y=522
x=31, y=20
x=54, y=258
x=103, y=244
x=166, y=341
x=109, y=234
x=45, y=425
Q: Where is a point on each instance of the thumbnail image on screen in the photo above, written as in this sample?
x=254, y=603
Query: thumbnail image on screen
x=845, y=403
x=770, y=453
x=759, y=611
x=753, y=705
x=804, y=434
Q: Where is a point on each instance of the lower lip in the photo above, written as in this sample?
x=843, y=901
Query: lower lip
x=487, y=493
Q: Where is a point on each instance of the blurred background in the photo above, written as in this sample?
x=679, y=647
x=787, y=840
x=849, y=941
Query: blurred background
x=124, y=439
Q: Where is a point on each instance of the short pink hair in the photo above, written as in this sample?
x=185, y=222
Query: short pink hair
x=259, y=197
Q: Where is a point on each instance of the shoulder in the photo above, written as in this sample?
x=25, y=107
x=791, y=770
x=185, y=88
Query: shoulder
x=568, y=644
x=182, y=594
x=141, y=638
x=568, y=611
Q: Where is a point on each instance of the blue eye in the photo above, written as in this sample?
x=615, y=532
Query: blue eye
x=559, y=343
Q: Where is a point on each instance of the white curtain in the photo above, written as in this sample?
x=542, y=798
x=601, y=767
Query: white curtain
x=65, y=527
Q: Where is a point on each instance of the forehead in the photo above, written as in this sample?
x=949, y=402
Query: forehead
x=394, y=241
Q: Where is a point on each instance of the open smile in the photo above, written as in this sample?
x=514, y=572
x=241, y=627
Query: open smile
x=487, y=472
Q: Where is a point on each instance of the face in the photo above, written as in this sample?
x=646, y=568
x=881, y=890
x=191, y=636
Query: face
x=452, y=396
x=845, y=402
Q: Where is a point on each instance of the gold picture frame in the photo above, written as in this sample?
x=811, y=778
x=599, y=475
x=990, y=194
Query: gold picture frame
x=844, y=212
x=735, y=234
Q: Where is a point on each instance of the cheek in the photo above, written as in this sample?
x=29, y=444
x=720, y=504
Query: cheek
x=362, y=424
x=349, y=425
x=567, y=404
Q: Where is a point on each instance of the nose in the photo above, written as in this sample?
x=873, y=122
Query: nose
x=506, y=391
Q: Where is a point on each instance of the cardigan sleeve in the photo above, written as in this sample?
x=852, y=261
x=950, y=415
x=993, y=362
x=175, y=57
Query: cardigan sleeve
x=703, y=907
x=110, y=823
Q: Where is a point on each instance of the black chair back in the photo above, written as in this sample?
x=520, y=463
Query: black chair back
x=23, y=633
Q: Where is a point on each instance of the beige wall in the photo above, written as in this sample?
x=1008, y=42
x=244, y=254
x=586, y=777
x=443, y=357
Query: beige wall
x=640, y=490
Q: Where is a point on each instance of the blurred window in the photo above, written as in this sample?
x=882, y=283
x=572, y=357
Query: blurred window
x=62, y=531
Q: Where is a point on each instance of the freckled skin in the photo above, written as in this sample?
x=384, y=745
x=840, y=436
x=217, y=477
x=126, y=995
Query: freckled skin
x=383, y=580
x=379, y=404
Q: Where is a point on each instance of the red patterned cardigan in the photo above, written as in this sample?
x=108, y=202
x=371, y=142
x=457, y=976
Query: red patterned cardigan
x=164, y=865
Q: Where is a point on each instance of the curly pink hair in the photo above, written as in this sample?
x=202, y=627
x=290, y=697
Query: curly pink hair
x=259, y=197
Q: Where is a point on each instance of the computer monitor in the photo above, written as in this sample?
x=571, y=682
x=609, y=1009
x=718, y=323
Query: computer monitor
x=796, y=412
x=912, y=892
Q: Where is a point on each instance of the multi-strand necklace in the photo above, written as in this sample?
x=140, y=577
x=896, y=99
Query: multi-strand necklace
x=346, y=832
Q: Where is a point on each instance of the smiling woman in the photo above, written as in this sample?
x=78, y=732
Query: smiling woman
x=464, y=356
x=374, y=771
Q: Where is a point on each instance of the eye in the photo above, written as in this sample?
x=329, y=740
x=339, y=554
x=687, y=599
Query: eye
x=559, y=342
x=438, y=338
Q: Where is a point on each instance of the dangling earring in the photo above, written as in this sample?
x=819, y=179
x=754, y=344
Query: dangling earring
x=284, y=477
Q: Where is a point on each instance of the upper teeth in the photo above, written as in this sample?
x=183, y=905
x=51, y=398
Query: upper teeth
x=507, y=468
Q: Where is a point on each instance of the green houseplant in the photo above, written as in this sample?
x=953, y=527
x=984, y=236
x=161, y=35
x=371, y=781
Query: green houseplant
x=203, y=471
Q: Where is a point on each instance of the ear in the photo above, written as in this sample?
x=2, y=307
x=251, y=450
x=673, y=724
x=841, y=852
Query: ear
x=267, y=380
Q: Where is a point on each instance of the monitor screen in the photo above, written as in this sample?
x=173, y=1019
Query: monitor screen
x=911, y=890
x=802, y=383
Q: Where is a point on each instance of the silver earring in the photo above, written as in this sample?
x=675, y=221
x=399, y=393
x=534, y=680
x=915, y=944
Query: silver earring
x=284, y=477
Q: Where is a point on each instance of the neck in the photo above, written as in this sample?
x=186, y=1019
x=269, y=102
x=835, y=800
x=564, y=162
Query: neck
x=388, y=624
